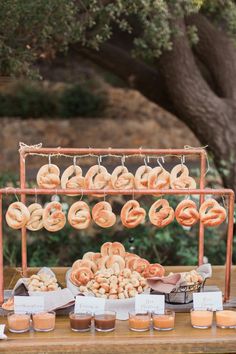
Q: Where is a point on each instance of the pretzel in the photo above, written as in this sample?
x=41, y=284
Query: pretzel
x=121, y=178
x=81, y=276
x=132, y=214
x=140, y=265
x=105, y=249
x=53, y=217
x=35, y=222
x=182, y=181
x=97, y=177
x=48, y=176
x=186, y=213
x=17, y=215
x=91, y=256
x=116, y=248
x=154, y=270
x=102, y=214
x=130, y=259
x=111, y=260
x=158, y=178
x=72, y=182
x=211, y=213
x=141, y=177
x=164, y=216
x=79, y=215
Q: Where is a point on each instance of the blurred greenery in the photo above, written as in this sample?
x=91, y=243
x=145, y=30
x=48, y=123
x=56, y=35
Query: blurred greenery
x=30, y=100
x=172, y=245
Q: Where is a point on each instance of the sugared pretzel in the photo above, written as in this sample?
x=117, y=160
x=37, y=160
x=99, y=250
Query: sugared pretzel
x=158, y=178
x=48, y=176
x=102, y=214
x=110, y=261
x=79, y=215
x=105, y=249
x=35, y=222
x=154, y=270
x=97, y=177
x=162, y=217
x=211, y=213
x=141, y=177
x=17, y=215
x=121, y=178
x=81, y=276
x=53, y=217
x=72, y=178
x=116, y=248
x=180, y=179
x=186, y=213
x=132, y=214
x=140, y=265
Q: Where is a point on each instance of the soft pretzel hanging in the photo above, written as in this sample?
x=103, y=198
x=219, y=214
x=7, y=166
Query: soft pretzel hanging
x=211, y=213
x=186, y=213
x=141, y=177
x=158, y=178
x=48, y=176
x=180, y=179
x=161, y=214
x=79, y=215
x=102, y=214
x=17, y=215
x=121, y=178
x=97, y=177
x=132, y=214
x=53, y=217
x=72, y=178
x=35, y=222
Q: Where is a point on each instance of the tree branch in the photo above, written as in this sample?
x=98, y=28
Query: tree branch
x=218, y=53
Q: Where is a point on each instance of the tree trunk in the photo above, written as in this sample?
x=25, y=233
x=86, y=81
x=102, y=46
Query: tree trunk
x=177, y=84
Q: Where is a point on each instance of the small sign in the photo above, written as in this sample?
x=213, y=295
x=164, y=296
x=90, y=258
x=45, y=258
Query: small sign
x=89, y=304
x=2, y=329
x=28, y=304
x=208, y=301
x=150, y=303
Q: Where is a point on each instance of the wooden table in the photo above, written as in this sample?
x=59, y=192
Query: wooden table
x=184, y=339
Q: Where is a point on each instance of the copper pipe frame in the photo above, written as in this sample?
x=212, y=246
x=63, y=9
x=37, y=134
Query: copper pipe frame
x=225, y=192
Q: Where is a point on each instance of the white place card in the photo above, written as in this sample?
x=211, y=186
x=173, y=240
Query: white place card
x=89, y=304
x=150, y=303
x=2, y=334
x=208, y=301
x=28, y=304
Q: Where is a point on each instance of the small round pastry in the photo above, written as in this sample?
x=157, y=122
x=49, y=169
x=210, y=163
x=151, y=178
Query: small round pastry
x=140, y=265
x=35, y=222
x=72, y=178
x=164, y=216
x=105, y=249
x=154, y=270
x=102, y=214
x=211, y=213
x=116, y=248
x=48, y=176
x=132, y=214
x=129, y=260
x=121, y=178
x=141, y=177
x=111, y=260
x=97, y=177
x=89, y=264
x=79, y=215
x=53, y=217
x=180, y=179
x=158, y=178
x=81, y=276
x=17, y=215
x=186, y=213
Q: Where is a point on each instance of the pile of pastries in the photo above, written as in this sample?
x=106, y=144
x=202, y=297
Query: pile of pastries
x=113, y=273
x=97, y=177
x=42, y=282
x=161, y=214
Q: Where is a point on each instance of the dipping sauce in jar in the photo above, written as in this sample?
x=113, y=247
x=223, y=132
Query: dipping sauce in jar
x=44, y=321
x=80, y=322
x=164, y=322
x=18, y=323
x=201, y=318
x=226, y=319
x=139, y=322
x=105, y=322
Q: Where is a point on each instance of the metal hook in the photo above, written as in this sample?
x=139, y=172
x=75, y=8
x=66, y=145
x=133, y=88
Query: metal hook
x=123, y=160
x=158, y=161
x=145, y=161
x=74, y=163
x=182, y=160
x=82, y=194
x=49, y=160
x=16, y=196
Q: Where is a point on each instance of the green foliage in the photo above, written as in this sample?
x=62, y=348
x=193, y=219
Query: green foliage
x=32, y=101
x=78, y=101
